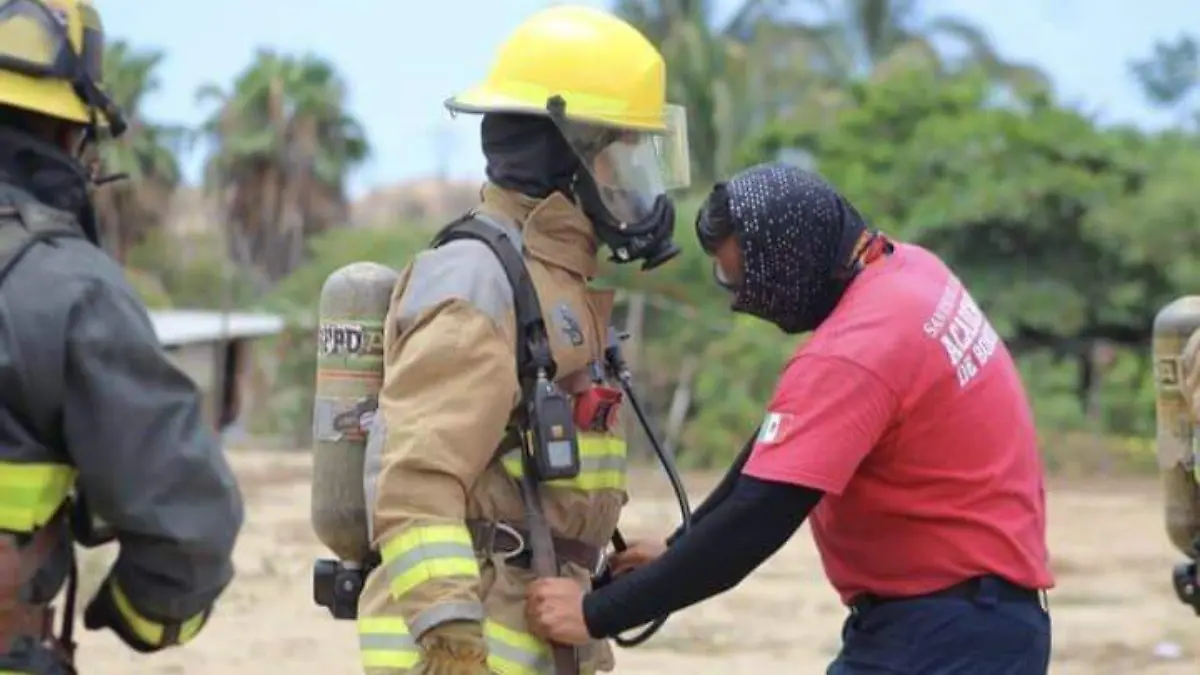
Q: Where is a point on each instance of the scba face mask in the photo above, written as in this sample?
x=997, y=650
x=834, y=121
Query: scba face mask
x=624, y=183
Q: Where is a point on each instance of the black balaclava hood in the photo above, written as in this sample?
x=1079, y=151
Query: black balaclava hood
x=797, y=235
x=528, y=154
x=50, y=174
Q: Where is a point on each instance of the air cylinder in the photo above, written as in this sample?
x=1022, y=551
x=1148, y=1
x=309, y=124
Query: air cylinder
x=1176, y=343
x=352, y=310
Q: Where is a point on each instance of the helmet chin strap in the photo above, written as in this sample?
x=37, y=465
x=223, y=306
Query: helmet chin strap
x=101, y=181
x=93, y=171
x=91, y=134
x=97, y=103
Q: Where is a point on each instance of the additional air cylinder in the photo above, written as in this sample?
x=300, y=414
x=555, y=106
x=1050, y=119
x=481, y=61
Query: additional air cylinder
x=1176, y=331
x=353, y=308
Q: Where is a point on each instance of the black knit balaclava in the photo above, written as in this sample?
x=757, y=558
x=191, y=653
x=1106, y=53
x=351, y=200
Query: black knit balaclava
x=797, y=235
x=50, y=174
x=528, y=154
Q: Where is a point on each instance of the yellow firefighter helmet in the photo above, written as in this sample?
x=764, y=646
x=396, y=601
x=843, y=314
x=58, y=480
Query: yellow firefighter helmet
x=607, y=72
x=51, y=58
x=604, y=84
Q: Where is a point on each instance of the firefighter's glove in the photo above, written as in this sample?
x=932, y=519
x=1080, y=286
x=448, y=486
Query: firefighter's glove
x=454, y=648
x=110, y=608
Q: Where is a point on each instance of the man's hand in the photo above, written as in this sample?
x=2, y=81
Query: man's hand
x=455, y=648
x=637, y=554
x=554, y=610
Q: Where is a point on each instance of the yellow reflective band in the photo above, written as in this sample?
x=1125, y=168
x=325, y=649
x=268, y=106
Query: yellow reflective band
x=149, y=631
x=602, y=460
x=512, y=652
x=384, y=642
x=31, y=493
x=423, y=553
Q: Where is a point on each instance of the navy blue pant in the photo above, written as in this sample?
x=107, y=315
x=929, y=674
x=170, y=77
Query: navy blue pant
x=980, y=633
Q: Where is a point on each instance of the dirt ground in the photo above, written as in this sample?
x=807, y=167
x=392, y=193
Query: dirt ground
x=1114, y=612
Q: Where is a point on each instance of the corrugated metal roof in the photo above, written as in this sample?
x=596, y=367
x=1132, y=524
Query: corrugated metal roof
x=184, y=326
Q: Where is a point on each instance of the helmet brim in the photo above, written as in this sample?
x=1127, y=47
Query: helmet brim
x=482, y=100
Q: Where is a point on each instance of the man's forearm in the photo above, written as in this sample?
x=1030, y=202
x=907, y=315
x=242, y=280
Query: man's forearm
x=744, y=529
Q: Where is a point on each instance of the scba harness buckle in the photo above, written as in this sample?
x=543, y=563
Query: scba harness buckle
x=488, y=537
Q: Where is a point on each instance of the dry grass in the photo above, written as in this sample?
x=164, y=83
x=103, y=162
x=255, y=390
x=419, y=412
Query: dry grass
x=1112, y=607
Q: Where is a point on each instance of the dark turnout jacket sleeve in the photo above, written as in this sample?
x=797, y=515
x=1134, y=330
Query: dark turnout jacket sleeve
x=149, y=464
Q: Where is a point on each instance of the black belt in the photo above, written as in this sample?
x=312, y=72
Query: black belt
x=1005, y=591
x=511, y=544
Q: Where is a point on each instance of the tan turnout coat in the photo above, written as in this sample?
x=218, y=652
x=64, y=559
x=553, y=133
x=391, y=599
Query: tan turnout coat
x=449, y=389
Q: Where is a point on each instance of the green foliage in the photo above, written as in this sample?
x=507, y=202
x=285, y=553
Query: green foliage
x=279, y=103
x=284, y=146
x=149, y=289
x=148, y=150
x=739, y=66
x=192, y=271
x=296, y=297
x=1170, y=74
x=1070, y=235
x=731, y=399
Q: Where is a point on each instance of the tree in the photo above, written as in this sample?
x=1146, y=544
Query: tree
x=709, y=71
x=1170, y=75
x=857, y=37
x=763, y=64
x=147, y=153
x=1070, y=235
x=282, y=147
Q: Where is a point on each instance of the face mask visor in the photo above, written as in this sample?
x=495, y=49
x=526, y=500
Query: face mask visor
x=632, y=169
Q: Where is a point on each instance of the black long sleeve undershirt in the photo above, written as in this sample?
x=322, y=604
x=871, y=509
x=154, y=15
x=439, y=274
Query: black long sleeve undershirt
x=741, y=531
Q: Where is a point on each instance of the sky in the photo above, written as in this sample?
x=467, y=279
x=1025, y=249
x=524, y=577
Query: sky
x=403, y=58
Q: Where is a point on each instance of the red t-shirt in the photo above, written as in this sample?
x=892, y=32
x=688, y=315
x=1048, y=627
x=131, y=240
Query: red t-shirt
x=907, y=410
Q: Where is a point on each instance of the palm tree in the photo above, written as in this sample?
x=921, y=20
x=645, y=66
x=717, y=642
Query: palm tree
x=708, y=70
x=147, y=153
x=1170, y=76
x=857, y=38
x=762, y=64
x=282, y=147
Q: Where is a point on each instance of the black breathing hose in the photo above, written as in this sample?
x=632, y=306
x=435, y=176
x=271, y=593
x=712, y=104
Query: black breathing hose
x=617, y=368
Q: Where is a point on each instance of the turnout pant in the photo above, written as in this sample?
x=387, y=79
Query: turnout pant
x=985, y=626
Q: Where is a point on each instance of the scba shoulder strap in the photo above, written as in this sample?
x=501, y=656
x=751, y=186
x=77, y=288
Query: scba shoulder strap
x=12, y=218
x=533, y=342
x=534, y=362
